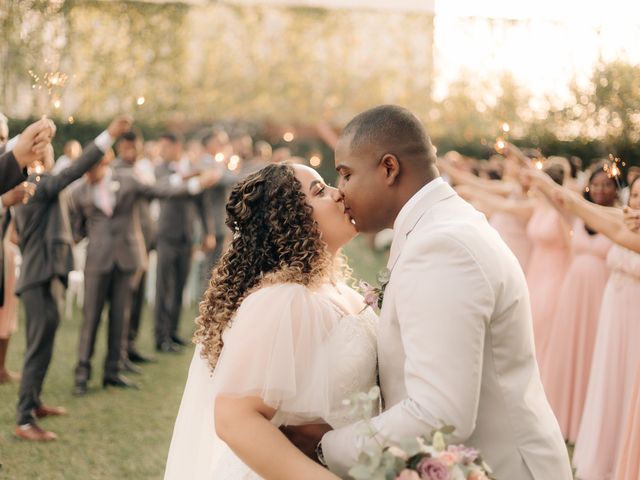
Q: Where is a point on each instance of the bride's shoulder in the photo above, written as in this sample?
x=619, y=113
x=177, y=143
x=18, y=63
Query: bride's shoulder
x=281, y=294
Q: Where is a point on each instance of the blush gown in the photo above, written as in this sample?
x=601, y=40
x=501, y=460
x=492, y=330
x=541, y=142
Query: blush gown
x=545, y=272
x=614, y=369
x=567, y=364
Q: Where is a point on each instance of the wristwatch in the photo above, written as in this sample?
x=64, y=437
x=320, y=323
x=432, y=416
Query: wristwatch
x=320, y=454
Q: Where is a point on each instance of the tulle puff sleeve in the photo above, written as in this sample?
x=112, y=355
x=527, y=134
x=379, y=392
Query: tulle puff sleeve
x=276, y=349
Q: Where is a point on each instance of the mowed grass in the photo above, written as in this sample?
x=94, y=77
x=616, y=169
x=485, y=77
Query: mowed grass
x=113, y=433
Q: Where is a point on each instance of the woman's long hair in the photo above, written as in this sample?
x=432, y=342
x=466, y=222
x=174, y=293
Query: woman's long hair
x=275, y=239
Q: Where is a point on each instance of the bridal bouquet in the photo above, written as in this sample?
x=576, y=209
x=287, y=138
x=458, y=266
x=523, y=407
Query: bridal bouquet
x=422, y=458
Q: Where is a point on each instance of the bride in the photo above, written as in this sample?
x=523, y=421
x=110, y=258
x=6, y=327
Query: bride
x=281, y=340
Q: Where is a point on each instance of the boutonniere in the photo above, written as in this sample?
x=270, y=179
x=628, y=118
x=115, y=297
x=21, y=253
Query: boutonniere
x=373, y=296
x=115, y=186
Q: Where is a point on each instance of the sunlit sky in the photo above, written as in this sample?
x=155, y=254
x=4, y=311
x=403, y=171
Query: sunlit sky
x=543, y=43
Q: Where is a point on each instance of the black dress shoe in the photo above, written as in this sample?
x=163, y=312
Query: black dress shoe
x=119, y=382
x=80, y=389
x=129, y=367
x=178, y=340
x=137, y=357
x=168, y=347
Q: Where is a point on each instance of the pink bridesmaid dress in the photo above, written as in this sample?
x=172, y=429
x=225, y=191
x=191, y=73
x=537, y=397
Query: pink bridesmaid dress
x=513, y=231
x=628, y=465
x=545, y=272
x=614, y=371
x=567, y=364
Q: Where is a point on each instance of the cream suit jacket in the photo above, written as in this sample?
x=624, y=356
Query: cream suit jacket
x=455, y=347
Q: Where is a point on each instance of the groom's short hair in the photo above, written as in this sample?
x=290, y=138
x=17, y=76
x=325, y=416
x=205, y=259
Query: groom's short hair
x=391, y=128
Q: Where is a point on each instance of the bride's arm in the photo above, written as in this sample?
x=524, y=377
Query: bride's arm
x=244, y=424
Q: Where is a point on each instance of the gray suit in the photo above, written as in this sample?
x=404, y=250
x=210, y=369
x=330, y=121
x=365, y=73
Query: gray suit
x=45, y=243
x=174, y=242
x=10, y=172
x=215, y=201
x=114, y=254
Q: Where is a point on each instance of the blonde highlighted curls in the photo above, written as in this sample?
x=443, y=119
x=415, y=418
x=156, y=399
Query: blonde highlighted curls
x=275, y=240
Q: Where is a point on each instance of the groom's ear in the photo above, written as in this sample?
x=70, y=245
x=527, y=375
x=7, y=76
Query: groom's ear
x=391, y=167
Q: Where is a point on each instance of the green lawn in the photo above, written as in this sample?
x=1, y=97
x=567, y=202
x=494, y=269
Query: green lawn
x=110, y=434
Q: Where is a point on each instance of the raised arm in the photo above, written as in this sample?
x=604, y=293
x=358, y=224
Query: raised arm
x=602, y=219
x=496, y=187
x=51, y=186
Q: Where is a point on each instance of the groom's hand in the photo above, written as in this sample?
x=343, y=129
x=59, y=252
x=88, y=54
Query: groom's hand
x=306, y=437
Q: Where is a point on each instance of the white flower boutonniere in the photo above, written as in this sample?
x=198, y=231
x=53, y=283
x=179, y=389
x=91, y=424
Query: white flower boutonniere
x=114, y=186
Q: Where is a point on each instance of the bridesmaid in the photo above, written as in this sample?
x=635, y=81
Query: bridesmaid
x=9, y=310
x=550, y=234
x=628, y=465
x=616, y=356
x=565, y=372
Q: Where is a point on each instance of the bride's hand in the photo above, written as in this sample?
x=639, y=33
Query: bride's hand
x=306, y=437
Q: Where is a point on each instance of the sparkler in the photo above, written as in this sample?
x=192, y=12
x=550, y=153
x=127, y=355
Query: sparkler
x=612, y=169
x=51, y=82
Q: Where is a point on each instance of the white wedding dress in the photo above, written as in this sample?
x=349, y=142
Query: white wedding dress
x=297, y=349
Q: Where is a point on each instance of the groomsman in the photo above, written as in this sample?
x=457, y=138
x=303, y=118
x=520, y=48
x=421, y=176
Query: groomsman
x=174, y=243
x=215, y=201
x=127, y=149
x=45, y=243
x=105, y=203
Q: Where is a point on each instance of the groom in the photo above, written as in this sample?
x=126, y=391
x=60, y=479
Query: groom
x=455, y=343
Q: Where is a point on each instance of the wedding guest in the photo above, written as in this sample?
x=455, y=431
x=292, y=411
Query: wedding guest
x=565, y=373
x=128, y=149
x=174, y=244
x=550, y=235
x=45, y=244
x=628, y=464
x=105, y=203
x=507, y=205
x=632, y=173
x=616, y=356
x=72, y=150
x=214, y=200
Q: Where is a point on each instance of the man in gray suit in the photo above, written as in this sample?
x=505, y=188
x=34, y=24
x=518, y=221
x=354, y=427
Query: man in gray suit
x=45, y=243
x=174, y=244
x=215, y=200
x=128, y=150
x=105, y=206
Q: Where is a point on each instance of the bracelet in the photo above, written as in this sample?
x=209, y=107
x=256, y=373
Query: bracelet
x=320, y=454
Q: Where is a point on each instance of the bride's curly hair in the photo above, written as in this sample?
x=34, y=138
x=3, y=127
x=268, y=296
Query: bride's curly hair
x=275, y=239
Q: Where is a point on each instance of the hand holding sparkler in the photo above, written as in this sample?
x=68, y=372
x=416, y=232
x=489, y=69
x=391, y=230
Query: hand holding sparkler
x=119, y=126
x=20, y=194
x=632, y=219
x=34, y=141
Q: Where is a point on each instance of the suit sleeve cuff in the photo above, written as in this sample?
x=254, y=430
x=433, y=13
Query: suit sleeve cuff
x=11, y=143
x=193, y=186
x=104, y=141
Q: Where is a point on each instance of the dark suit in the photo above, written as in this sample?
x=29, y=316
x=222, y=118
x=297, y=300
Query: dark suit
x=138, y=287
x=45, y=243
x=114, y=254
x=174, y=242
x=10, y=172
x=215, y=201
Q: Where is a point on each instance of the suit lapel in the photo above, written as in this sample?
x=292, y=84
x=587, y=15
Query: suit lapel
x=441, y=192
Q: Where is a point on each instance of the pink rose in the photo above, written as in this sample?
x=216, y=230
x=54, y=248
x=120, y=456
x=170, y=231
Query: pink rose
x=370, y=294
x=407, y=474
x=433, y=469
x=476, y=475
x=448, y=458
x=466, y=455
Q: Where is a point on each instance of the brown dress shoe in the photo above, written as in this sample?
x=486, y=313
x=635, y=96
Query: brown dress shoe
x=45, y=411
x=34, y=433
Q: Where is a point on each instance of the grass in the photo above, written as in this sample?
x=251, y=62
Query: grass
x=111, y=434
